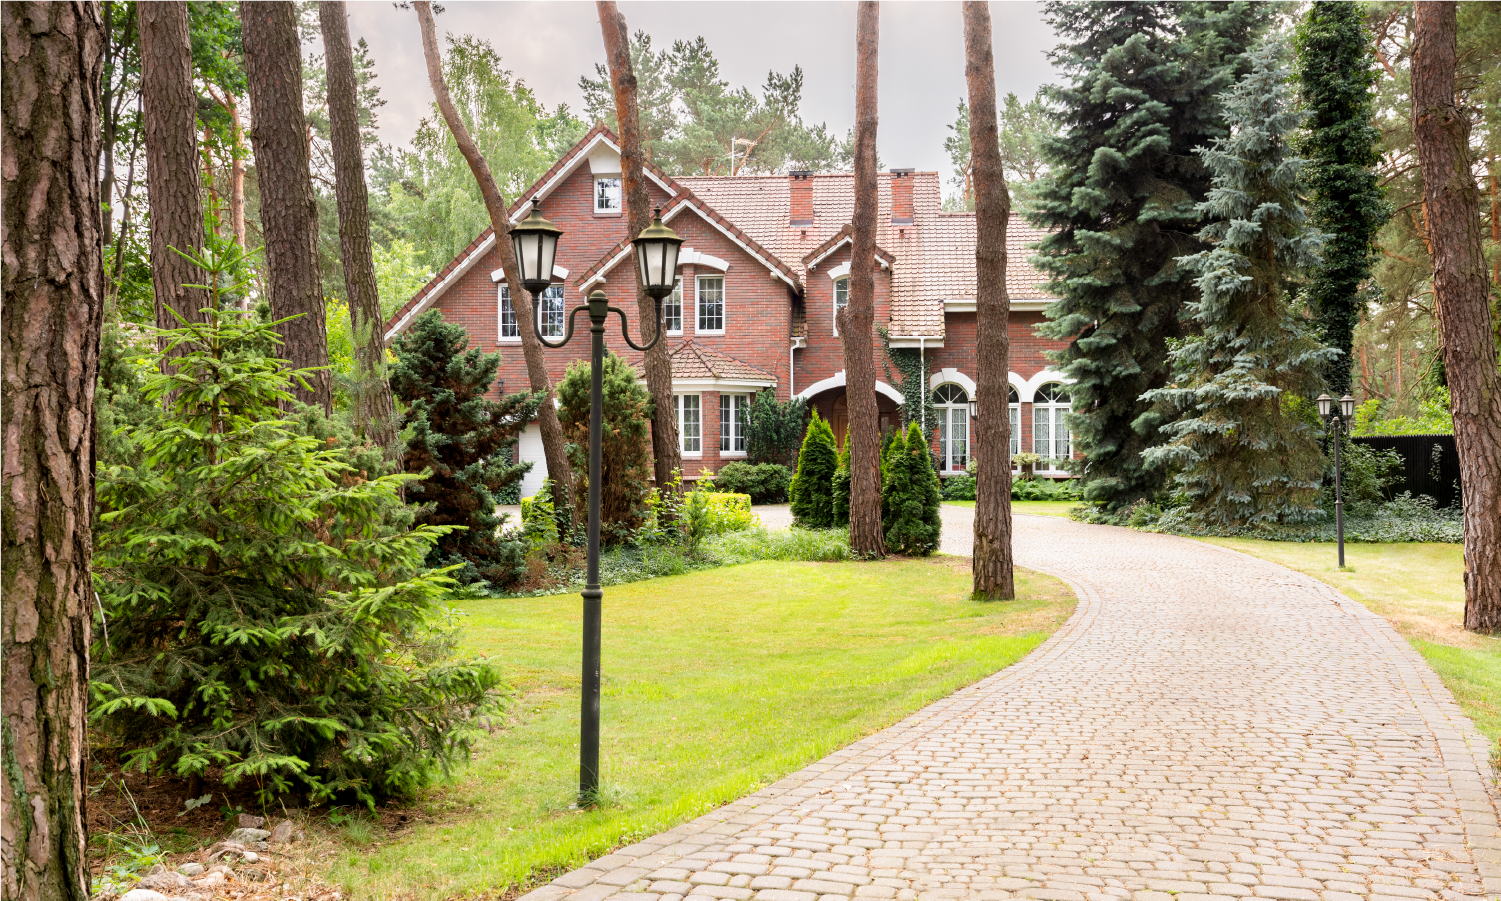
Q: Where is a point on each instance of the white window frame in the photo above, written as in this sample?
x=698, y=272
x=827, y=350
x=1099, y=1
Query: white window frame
x=504, y=300
x=676, y=297
x=951, y=412
x=698, y=305
x=1051, y=412
x=691, y=446
x=619, y=195
x=844, y=281
x=552, y=300
x=732, y=428
x=1014, y=403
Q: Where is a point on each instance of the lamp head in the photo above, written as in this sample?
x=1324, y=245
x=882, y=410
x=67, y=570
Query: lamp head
x=1347, y=407
x=1326, y=404
x=657, y=257
x=536, y=243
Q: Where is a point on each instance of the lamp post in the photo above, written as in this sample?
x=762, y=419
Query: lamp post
x=536, y=242
x=1336, y=421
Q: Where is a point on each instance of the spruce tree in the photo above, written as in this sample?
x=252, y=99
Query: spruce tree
x=1244, y=449
x=1120, y=203
x=463, y=440
x=811, y=491
x=910, y=496
x=839, y=487
x=1336, y=67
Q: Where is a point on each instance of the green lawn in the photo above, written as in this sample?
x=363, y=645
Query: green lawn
x=1419, y=589
x=715, y=684
x=1037, y=508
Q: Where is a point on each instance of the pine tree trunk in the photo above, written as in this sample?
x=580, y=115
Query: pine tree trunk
x=990, y=445
x=553, y=448
x=857, y=319
x=53, y=264
x=666, y=452
x=289, y=211
x=169, y=113
x=1462, y=301
x=375, y=411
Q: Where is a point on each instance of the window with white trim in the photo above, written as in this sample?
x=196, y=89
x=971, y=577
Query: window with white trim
x=1050, y=438
x=952, y=402
x=710, y=304
x=607, y=195
x=1014, y=403
x=732, y=414
x=690, y=424
x=509, y=329
x=550, y=312
x=672, y=310
x=841, y=299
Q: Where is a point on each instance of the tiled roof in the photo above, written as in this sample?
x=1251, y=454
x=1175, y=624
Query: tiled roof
x=691, y=360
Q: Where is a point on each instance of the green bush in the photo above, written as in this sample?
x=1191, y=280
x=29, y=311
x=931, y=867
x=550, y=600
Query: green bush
x=910, y=497
x=959, y=488
x=728, y=512
x=1045, y=490
x=812, y=502
x=539, y=521
x=625, y=466
x=1366, y=474
x=773, y=429
x=264, y=613
x=766, y=483
x=839, y=486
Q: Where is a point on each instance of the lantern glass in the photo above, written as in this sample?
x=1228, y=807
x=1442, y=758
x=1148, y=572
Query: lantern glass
x=1347, y=406
x=657, y=257
x=536, y=243
x=1326, y=403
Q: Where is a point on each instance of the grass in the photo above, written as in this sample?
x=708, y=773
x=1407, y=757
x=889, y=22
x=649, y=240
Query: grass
x=715, y=683
x=1036, y=508
x=1419, y=589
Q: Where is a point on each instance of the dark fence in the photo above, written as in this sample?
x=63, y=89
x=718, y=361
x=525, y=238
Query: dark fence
x=1430, y=465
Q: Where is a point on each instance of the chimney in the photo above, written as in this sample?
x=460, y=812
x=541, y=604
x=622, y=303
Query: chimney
x=901, y=196
x=801, y=183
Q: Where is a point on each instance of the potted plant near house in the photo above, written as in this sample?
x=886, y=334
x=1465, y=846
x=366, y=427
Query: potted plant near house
x=1027, y=462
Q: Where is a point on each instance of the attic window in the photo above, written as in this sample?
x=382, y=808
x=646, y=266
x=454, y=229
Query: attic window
x=607, y=195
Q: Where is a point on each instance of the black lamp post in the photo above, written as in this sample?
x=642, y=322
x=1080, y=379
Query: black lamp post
x=536, y=242
x=1336, y=421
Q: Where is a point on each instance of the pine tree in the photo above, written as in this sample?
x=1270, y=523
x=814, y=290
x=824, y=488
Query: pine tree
x=1120, y=200
x=839, y=487
x=1336, y=68
x=463, y=439
x=1243, y=449
x=910, y=496
x=811, y=491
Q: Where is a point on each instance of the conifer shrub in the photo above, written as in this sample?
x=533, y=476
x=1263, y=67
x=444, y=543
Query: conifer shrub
x=811, y=490
x=464, y=442
x=910, y=497
x=839, y=487
x=625, y=462
x=773, y=429
x=265, y=613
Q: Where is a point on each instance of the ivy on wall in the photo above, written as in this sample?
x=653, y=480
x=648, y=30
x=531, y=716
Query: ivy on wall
x=917, y=400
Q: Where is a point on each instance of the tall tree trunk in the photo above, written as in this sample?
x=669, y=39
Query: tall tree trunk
x=666, y=452
x=994, y=575
x=53, y=295
x=170, y=109
x=207, y=151
x=1462, y=301
x=857, y=319
x=289, y=210
x=375, y=412
x=495, y=204
x=236, y=165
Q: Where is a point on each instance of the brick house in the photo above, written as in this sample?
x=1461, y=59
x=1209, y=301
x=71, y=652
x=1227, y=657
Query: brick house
x=765, y=261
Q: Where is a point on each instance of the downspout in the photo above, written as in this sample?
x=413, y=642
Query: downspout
x=922, y=374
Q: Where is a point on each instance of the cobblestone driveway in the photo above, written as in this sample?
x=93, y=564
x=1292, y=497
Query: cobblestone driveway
x=1206, y=725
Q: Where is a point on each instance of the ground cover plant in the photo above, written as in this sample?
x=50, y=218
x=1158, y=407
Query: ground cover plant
x=692, y=691
x=1419, y=589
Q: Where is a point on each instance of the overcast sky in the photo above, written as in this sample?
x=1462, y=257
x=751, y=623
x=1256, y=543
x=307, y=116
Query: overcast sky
x=550, y=44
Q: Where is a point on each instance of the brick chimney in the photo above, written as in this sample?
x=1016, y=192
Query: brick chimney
x=901, y=196
x=801, y=183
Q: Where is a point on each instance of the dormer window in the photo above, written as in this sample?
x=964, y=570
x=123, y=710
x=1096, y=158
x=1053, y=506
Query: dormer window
x=607, y=195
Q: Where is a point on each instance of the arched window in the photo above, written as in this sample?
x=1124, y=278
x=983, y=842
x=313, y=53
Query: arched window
x=953, y=427
x=1050, y=437
x=1014, y=403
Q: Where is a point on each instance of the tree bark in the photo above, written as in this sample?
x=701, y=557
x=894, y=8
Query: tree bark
x=53, y=295
x=375, y=411
x=169, y=113
x=289, y=210
x=236, y=166
x=857, y=319
x=666, y=451
x=990, y=445
x=553, y=448
x=1462, y=302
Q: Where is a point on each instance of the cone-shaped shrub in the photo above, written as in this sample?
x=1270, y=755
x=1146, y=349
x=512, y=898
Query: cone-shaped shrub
x=812, y=498
x=910, y=497
x=839, y=487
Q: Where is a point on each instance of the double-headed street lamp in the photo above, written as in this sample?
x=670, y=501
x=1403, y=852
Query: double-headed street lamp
x=1336, y=421
x=536, y=242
